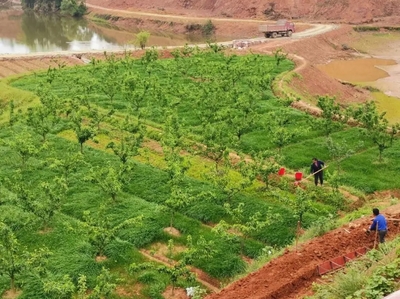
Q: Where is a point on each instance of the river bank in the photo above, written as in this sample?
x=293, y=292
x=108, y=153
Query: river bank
x=388, y=99
x=391, y=84
x=377, y=66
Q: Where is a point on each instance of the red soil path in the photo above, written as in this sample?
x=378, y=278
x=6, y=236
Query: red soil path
x=291, y=275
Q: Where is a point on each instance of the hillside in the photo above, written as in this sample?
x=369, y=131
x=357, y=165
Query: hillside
x=352, y=11
x=163, y=236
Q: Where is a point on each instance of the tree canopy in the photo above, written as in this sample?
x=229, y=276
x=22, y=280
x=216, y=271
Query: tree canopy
x=74, y=8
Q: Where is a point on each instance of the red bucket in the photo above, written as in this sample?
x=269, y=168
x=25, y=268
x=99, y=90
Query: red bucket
x=298, y=176
x=281, y=171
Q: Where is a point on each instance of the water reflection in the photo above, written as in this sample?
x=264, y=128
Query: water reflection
x=29, y=32
x=44, y=33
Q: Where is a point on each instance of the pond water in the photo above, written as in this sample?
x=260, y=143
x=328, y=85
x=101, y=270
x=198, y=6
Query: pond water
x=357, y=70
x=23, y=33
x=382, y=73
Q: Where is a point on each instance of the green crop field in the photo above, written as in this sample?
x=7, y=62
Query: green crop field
x=98, y=160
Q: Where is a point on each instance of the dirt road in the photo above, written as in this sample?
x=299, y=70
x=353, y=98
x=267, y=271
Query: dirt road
x=167, y=16
x=315, y=29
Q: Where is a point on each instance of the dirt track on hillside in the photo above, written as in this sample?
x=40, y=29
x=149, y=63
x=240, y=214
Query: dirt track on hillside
x=168, y=16
x=348, y=11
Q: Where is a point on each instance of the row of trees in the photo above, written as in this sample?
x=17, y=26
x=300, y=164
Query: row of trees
x=375, y=126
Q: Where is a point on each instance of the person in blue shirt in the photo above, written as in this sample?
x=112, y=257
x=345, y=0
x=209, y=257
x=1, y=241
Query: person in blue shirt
x=379, y=223
x=316, y=169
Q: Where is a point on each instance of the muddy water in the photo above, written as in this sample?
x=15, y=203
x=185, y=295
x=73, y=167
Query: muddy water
x=32, y=32
x=380, y=72
x=23, y=33
x=390, y=84
x=361, y=70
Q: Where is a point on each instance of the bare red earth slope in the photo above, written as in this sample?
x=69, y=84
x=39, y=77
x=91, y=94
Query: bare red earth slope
x=355, y=11
x=291, y=275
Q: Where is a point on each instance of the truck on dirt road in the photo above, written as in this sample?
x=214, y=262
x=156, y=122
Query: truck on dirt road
x=282, y=28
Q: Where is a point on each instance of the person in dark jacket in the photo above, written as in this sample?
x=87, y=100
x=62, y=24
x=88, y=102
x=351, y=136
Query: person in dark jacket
x=379, y=224
x=316, y=167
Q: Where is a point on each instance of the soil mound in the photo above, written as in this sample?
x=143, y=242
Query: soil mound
x=352, y=11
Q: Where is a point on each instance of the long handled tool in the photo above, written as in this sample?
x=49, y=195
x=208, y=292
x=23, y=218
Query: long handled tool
x=297, y=233
x=316, y=172
x=376, y=234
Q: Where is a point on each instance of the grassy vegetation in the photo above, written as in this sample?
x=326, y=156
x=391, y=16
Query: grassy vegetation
x=388, y=104
x=371, y=277
x=66, y=196
x=367, y=41
x=366, y=28
x=375, y=28
x=71, y=251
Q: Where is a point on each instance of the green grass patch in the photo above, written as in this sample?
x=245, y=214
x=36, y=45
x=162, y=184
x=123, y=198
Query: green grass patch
x=389, y=105
x=373, y=276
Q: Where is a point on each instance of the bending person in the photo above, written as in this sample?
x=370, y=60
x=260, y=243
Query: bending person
x=379, y=223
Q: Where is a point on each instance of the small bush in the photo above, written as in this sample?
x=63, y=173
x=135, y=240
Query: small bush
x=72, y=8
x=208, y=28
x=371, y=88
x=155, y=290
x=392, y=28
x=147, y=277
x=193, y=27
x=344, y=286
x=226, y=15
x=366, y=28
x=141, y=39
x=107, y=17
x=101, y=16
x=319, y=227
x=345, y=47
x=155, y=135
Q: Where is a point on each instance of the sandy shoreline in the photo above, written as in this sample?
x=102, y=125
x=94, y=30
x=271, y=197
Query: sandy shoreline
x=389, y=85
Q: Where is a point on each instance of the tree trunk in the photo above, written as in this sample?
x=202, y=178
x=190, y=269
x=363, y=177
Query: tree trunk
x=172, y=219
x=12, y=277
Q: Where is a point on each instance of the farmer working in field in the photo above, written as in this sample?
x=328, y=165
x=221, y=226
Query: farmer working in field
x=316, y=169
x=379, y=223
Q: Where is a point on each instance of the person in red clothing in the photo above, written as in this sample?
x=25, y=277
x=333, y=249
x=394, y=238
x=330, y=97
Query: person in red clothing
x=316, y=167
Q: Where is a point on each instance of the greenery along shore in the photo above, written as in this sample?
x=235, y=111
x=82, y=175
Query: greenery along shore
x=74, y=8
x=102, y=158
